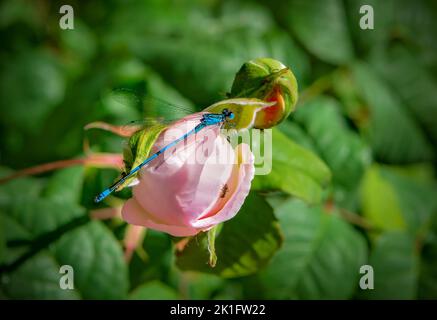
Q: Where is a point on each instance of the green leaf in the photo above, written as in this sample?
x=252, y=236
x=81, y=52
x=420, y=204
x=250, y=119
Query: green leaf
x=400, y=143
x=395, y=265
x=13, y=230
x=79, y=46
x=94, y=253
x=397, y=21
x=97, y=259
x=154, y=290
x=197, y=285
x=198, y=44
x=38, y=216
x=428, y=263
x=2, y=295
x=17, y=11
x=321, y=26
x=349, y=96
x=31, y=85
x=428, y=274
x=320, y=258
x=341, y=148
x=380, y=203
x=297, y=134
x=2, y=238
x=295, y=170
x=392, y=200
x=37, y=278
x=27, y=218
x=417, y=198
x=61, y=136
x=66, y=185
x=291, y=153
x=154, y=261
x=16, y=188
x=385, y=13
x=412, y=82
x=244, y=245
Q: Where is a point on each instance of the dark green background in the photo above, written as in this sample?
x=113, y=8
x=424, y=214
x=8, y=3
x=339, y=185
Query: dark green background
x=367, y=108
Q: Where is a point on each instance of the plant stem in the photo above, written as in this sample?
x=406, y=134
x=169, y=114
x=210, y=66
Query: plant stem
x=97, y=160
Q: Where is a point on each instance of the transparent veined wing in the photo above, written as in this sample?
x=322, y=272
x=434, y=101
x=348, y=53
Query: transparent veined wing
x=147, y=105
x=128, y=129
x=150, y=111
x=125, y=130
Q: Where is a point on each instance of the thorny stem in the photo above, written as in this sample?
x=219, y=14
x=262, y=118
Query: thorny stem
x=122, y=131
x=318, y=87
x=356, y=219
x=349, y=216
x=109, y=160
x=41, y=242
x=42, y=168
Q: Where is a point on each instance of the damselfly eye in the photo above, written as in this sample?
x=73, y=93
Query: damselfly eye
x=231, y=115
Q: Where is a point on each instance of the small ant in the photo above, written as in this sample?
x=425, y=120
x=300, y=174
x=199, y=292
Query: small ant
x=224, y=190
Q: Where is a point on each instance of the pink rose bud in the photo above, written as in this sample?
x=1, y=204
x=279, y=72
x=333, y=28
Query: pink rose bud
x=194, y=186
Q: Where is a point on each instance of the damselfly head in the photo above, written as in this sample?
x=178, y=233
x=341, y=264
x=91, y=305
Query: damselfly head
x=228, y=114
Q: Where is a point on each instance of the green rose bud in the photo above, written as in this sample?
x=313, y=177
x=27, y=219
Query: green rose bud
x=269, y=80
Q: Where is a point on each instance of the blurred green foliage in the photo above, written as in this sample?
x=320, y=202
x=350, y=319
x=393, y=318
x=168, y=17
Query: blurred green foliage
x=353, y=178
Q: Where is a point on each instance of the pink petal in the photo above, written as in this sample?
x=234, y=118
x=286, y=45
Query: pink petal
x=133, y=213
x=239, y=188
